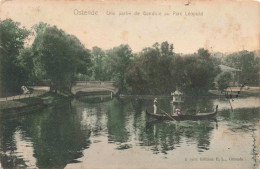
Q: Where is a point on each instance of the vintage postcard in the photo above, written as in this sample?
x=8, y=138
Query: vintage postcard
x=135, y=84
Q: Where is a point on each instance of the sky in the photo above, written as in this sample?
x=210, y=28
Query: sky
x=221, y=26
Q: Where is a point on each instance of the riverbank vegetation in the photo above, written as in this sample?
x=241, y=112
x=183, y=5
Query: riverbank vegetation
x=46, y=55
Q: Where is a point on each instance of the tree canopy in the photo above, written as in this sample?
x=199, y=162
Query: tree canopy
x=119, y=60
x=60, y=56
x=161, y=71
x=248, y=63
x=58, y=59
x=12, y=39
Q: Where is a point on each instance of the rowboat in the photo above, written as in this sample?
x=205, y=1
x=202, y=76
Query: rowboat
x=199, y=116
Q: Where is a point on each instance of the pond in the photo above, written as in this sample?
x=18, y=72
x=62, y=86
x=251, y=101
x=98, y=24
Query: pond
x=100, y=132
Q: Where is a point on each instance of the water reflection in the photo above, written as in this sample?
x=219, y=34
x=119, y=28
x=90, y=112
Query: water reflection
x=9, y=157
x=168, y=136
x=95, y=98
x=116, y=121
x=56, y=137
x=76, y=132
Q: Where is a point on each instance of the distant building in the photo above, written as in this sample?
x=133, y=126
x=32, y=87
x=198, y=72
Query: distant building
x=234, y=81
x=218, y=55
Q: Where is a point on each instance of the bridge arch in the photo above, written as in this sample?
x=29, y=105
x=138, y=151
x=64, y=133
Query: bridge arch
x=93, y=87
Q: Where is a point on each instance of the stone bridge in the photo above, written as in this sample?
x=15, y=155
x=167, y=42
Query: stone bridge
x=91, y=87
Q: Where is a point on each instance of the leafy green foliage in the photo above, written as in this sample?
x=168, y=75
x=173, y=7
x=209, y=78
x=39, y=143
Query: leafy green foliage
x=60, y=56
x=112, y=64
x=12, y=39
x=151, y=71
x=25, y=59
x=100, y=69
x=161, y=71
x=199, y=72
x=119, y=60
x=248, y=63
x=223, y=80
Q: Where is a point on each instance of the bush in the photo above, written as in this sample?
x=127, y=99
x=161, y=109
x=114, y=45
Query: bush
x=223, y=80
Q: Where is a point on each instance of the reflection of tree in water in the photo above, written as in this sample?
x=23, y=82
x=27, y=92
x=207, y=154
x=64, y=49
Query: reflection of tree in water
x=56, y=136
x=137, y=105
x=8, y=147
x=92, y=115
x=166, y=136
x=94, y=99
x=139, y=118
x=116, y=121
x=203, y=136
x=193, y=105
x=97, y=127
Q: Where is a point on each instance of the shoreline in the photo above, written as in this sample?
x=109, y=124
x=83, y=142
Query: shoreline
x=27, y=105
x=47, y=99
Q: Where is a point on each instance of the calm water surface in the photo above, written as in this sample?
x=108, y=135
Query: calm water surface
x=99, y=132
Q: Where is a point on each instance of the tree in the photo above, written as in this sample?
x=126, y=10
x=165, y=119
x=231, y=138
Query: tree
x=119, y=59
x=25, y=60
x=158, y=70
x=143, y=72
x=98, y=58
x=12, y=39
x=152, y=71
x=199, y=72
x=223, y=80
x=166, y=49
x=60, y=56
x=137, y=78
x=248, y=63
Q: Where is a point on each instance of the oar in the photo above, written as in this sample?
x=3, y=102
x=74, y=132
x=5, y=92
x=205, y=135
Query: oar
x=167, y=114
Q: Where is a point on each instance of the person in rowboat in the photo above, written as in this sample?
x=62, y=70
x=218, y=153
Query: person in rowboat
x=178, y=111
x=155, y=106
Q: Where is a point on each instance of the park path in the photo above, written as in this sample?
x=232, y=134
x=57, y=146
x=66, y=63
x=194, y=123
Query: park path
x=37, y=91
